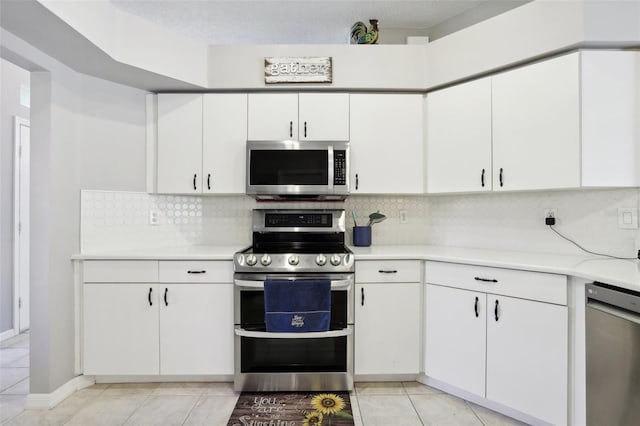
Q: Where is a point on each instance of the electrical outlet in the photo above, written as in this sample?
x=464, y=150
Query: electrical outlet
x=550, y=213
x=628, y=218
x=154, y=217
x=403, y=216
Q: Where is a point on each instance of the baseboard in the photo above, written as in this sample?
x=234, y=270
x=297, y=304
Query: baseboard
x=7, y=334
x=161, y=378
x=45, y=401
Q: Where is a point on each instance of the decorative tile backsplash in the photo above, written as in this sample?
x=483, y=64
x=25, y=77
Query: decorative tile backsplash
x=114, y=220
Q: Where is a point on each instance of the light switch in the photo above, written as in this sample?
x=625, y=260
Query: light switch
x=628, y=218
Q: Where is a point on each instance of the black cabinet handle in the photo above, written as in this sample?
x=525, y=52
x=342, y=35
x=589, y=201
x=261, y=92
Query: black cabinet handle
x=387, y=271
x=357, y=181
x=486, y=280
x=291, y=129
x=362, y=296
x=482, y=178
x=165, y=296
x=149, y=296
x=209, y=181
x=305, y=129
x=501, y=182
x=495, y=310
x=197, y=272
x=475, y=307
x=194, y=181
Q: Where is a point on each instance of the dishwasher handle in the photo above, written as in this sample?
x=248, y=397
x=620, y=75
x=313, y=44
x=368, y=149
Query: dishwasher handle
x=619, y=313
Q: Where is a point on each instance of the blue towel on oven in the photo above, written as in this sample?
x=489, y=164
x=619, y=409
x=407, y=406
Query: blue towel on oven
x=297, y=305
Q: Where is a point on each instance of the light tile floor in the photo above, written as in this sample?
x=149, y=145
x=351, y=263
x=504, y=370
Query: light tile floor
x=373, y=404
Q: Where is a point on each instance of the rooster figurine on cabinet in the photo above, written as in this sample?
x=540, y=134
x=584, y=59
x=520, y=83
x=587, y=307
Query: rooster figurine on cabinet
x=361, y=35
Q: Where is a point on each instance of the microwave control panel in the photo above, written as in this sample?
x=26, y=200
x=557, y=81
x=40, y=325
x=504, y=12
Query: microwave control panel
x=339, y=167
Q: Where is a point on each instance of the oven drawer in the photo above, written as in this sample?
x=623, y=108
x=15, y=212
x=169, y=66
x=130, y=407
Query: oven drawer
x=196, y=271
x=386, y=271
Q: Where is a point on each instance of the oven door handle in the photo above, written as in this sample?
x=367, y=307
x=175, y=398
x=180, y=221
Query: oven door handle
x=335, y=284
x=311, y=335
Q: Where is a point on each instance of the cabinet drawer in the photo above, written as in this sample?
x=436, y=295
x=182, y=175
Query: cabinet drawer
x=196, y=271
x=120, y=271
x=386, y=271
x=544, y=287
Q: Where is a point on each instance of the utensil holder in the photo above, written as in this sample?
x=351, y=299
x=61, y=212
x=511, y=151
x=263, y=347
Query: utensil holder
x=362, y=236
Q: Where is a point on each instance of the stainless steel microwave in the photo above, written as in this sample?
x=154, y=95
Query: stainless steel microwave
x=298, y=170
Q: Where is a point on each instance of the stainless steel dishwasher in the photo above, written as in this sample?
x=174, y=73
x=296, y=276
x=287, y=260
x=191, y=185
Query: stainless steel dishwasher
x=613, y=355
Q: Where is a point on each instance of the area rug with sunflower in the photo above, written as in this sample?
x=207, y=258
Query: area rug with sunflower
x=292, y=409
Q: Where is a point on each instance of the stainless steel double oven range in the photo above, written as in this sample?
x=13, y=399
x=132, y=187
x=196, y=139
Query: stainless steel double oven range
x=296, y=245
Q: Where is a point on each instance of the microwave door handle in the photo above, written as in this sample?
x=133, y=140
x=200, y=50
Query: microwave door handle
x=335, y=284
x=311, y=335
x=331, y=166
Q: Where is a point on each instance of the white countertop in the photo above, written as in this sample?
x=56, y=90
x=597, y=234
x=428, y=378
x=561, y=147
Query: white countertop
x=624, y=273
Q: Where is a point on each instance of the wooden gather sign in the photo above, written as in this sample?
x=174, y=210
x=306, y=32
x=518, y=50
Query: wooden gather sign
x=315, y=69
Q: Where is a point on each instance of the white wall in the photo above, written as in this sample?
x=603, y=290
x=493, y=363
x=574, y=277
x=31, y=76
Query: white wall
x=12, y=78
x=84, y=131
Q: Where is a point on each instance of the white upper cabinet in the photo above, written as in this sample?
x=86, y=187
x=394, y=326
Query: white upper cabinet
x=179, y=160
x=323, y=116
x=304, y=116
x=565, y=122
x=223, y=143
x=386, y=144
x=536, y=126
x=201, y=143
x=273, y=116
x=458, y=149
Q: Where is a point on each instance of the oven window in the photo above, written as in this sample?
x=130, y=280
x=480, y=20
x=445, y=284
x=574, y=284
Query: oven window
x=293, y=355
x=252, y=310
x=289, y=167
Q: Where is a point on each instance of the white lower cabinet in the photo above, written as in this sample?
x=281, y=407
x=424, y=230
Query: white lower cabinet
x=387, y=318
x=510, y=350
x=455, y=337
x=196, y=329
x=151, y=328
x=120, y=327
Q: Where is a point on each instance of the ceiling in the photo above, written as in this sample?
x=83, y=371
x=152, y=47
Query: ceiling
x=308, y=21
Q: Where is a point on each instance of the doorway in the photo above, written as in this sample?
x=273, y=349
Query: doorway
x=21, y=190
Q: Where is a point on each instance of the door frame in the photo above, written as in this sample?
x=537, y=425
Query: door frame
x=18, y=122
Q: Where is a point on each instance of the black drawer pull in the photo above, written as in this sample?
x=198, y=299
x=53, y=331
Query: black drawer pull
x=482, y=178
x=387, y=271
x=165, y=296
x=475, y=308
x=197, y=272
x=362, y=296
x=291, y=129
x=194, y=181
x=209, y=181
x=305, y=129
x=486, y=280
x=495, y=311
x=149, y=296
x=501, y=181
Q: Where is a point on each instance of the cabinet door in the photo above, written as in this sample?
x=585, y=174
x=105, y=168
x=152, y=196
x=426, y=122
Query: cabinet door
x=387, y=331
x=196, y=329
x=455, y=332
x=180, y=143
x=273, y=116
x=386, y=144
x=536, y=126
x=323, y=116
x=527, y=357
x=120, y=328
x=458, y=149
x=223, y=144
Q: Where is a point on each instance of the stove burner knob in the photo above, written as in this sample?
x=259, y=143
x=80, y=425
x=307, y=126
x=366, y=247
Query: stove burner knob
x=294, y=260
x=335, y=259
x=265, y=260
x=252, y=260
x=240, y=259
x=321, y=260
